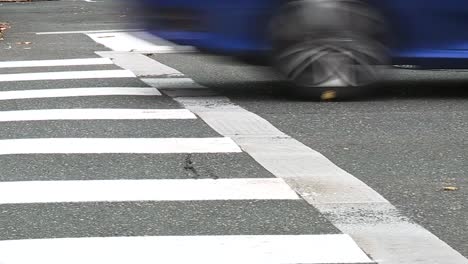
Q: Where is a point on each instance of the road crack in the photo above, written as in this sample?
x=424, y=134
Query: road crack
x=189, y=166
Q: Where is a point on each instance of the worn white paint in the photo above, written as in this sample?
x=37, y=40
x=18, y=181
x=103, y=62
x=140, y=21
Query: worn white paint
x=116, y=145
x=144, y=190
x=172, y=83
x=94, y=114
x=273, y=249
x=77, y=92
x=380, y=230
x=230, y=119
x=66, y=75
x=53, y=63
x=140, y=42
x=86, y=31
x=140, y=64
x=336, y=193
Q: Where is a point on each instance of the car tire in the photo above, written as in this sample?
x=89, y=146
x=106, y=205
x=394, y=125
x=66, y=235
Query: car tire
x=329, y=48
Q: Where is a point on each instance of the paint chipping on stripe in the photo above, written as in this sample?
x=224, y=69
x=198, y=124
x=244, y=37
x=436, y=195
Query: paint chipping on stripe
x=334, y=192
x=140, y=64
x=126, y=41
x=172, y=83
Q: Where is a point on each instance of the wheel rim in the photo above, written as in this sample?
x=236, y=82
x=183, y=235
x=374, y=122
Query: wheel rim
x=316, y=42
x=313, y=63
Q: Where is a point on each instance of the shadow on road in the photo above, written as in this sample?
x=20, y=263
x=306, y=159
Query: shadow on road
x=281, y=90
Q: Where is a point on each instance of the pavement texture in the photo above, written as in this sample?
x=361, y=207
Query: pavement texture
x=407, y=141
x=154, y=218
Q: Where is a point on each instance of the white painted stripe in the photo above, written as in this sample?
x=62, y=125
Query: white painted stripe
x=94, y=114
x=137, y=42
x=116, y=145
x=123, y=41
x=141, y=65
x=349, y=204
x=144, y=190
x=51, y=63
x=327, y=187
x=166, y=50
x=177, y=87
x=230, y=119
x=336, y=248
x=67, y=75
x=172, y=83
x=86, y=31
x=77, y=92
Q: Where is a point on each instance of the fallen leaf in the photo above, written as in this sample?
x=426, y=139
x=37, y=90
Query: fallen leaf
x=328, y=95
x=450, y=188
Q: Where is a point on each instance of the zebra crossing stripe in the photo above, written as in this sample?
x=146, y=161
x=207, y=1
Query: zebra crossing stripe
x=144, y=190
x=117, y=145
x=140, y=64
x=94, y=114
x=66, y=75
x=144, y=66
x=52, y=63
x=172, y=83
x=272, y=249
x=140, y=42
x=122, y=41
x=350, y=205
x=86, y=31
x=77, y=92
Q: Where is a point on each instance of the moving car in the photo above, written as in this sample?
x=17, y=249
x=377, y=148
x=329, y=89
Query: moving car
x=322, y=46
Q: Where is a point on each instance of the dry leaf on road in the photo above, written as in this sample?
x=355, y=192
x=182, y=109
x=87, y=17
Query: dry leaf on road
x=450, y=188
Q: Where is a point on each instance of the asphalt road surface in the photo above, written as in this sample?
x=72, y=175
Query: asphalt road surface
x=207, y=159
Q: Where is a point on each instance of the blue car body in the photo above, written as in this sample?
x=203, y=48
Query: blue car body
x=428, y=33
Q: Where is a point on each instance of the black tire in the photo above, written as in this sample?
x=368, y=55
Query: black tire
x=329, y=48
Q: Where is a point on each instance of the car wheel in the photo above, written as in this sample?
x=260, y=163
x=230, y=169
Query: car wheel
x=328, y=48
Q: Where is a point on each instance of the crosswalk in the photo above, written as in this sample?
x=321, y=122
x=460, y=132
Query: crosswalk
x=117, y=174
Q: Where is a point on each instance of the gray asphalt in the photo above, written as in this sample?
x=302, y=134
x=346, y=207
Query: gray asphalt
x=162, y=102
x=407, y=140
x=106, y=128
x=118, y=219
x=162, y=219
x=129, y=166
x=54, y=84
x=58, y=69
x=69, y=15
x=66, y=46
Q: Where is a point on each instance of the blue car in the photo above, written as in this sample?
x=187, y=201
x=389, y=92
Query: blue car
x=323, y=46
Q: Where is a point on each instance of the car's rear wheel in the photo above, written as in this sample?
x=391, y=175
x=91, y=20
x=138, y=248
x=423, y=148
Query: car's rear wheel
x=328, y=48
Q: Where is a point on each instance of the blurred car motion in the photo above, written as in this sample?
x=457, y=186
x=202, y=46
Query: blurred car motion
x=320, y=45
